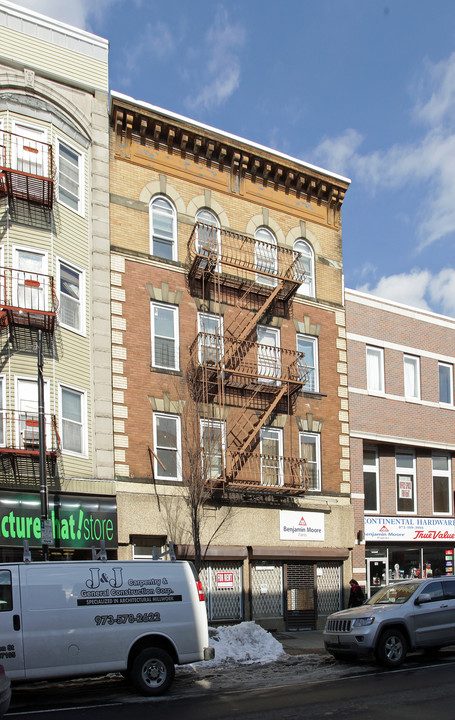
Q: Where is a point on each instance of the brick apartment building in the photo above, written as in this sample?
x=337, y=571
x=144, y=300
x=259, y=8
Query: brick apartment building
x=229, y=364
x=402, y=420
x=54, y=288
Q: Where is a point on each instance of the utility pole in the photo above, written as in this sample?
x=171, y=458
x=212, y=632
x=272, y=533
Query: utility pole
x=42, y=451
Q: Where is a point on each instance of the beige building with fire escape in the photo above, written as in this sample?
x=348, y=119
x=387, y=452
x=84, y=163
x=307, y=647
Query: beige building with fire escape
x=229, y=364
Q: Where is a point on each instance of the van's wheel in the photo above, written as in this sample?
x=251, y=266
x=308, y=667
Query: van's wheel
x=391, y=648
x=152, y=671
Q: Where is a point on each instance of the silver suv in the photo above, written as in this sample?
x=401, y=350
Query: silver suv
x=403, y=616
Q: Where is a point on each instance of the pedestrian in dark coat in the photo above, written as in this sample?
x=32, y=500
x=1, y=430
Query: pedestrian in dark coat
x=356, y=596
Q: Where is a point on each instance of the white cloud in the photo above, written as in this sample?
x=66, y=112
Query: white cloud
x=154, y=41
x=222, y=67
x=428, y=162
x=418, y=288
x=73, y=12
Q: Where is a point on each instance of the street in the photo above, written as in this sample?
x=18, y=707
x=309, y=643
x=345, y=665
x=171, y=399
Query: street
x=416, y=690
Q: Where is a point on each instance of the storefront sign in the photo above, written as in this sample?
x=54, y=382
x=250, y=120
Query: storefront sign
x=78, y=521
x=224, y=580
x=393, y=529
x=295, y=525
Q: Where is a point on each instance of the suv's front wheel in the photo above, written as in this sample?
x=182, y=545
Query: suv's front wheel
x=391, y=648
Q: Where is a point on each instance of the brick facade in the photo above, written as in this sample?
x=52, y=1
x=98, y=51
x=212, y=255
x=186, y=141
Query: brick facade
x=388, y=421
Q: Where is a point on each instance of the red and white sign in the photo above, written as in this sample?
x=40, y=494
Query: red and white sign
x=301, y=525
x=224, y=580
x=404, y=488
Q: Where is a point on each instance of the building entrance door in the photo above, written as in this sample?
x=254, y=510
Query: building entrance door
x=376, y=574
x=300, y=596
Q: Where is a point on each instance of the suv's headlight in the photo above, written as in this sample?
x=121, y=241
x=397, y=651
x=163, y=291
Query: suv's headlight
x=361, y=622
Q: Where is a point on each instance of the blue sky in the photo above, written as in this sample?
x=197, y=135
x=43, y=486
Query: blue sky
x=363, y=88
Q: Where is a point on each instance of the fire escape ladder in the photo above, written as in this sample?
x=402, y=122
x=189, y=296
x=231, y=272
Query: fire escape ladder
x=240, y=456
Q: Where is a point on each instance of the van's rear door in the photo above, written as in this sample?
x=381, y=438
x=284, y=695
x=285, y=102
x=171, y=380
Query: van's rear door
x=11, y=645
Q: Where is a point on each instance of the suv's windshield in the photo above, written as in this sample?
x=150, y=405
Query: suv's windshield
x=393, y=594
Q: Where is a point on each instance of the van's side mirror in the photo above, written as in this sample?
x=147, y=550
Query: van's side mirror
x=423, y=598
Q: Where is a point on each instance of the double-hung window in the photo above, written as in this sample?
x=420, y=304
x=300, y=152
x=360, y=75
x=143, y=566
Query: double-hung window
x=375, y=369
x=266, y=256
x=442, y=495
x=445, y=383
x=71, y=296
x=371, y=479
x=305, y=267
x=406, y=481
x=272, y=456
x=163, y=228
x=165, y=336
x=411, y=370
x=310, y=451
x=309, y=365
x=210, y=328
x=73, y=412
x=167, y=441
x=70, y=164
x=213, y=445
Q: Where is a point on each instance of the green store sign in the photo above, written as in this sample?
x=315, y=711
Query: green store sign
x=78, y=521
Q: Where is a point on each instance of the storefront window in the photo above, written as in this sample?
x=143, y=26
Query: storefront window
x=404, y=563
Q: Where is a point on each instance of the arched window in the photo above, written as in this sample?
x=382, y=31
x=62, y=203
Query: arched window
x=163, y=228
x=307, y=264
x=266, y=256
x=208, y=239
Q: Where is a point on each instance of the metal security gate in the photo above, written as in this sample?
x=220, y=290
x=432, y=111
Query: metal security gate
x=329, y=588
x=266, y=590
x=300, y=596
x=222, y=582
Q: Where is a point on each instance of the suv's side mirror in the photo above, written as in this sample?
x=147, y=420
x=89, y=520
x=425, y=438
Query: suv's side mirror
x=423, y=598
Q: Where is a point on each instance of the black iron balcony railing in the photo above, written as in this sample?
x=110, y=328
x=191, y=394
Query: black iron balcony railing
x=27, y=169
x=28, y=299
x=239, y=259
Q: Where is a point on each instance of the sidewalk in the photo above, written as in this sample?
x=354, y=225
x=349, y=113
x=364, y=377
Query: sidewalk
x=301, y=642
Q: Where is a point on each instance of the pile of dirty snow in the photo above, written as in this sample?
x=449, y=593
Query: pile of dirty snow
x=243, y=643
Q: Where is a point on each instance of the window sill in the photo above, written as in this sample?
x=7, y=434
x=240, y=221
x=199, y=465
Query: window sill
x=313, y=394
x=166, y=371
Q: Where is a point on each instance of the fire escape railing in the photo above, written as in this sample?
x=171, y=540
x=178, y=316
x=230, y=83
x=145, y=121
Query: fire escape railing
x=27, y=299
x=244, y=260
x=27, y=169
x=19, y=433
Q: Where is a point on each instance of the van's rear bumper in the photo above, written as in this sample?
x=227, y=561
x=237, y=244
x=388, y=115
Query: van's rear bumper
x=209, y=653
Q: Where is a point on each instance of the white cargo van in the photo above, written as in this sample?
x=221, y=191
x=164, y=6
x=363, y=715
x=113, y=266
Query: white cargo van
x=73, y=619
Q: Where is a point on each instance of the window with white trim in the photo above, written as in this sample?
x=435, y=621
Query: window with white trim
x=210, y=329
x=73, y=404
x=310, y=450
x=71, y=291
x=271, y=443
x=406, y=481
x=208, y=236
x=163, y=228
x=266, y=256
x=411, y=370
x=70, y=177
x=445, y=383
x=442, y=493
x=213, y=446
x=375, y=369
x=371, y=478
x=308, y=344
x=165, y=336
x=306, y=263
x=167, y=446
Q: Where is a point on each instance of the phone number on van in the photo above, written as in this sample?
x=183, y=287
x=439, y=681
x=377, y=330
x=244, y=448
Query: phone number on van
x=123, y=619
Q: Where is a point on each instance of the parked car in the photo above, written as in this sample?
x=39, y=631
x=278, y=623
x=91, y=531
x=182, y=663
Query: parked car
x=403, y=616
x=5, y=692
